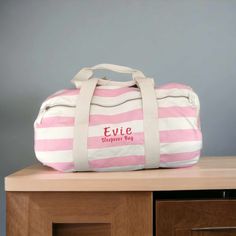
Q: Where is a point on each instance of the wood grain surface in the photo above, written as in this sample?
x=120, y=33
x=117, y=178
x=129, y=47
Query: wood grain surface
x=209, y=173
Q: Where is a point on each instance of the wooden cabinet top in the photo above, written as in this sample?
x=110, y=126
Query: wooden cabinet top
x=209, y=173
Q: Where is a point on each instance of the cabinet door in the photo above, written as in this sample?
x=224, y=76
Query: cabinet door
x=79, y=213
x=196, y=218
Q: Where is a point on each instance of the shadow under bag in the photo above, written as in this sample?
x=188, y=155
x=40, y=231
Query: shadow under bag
x=103, y=125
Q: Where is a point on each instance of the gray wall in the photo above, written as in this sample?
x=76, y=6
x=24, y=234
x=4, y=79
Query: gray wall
x=44, y=43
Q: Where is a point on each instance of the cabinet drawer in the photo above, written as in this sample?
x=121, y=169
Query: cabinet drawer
x=195, y=217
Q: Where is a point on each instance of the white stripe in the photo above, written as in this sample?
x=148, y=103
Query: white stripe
x=69, y=170
x=179, y=163
x=119, y=168
x=55, y=156
x=121, y=151
x=175, y=123
x=61, y=109
x=166, y=148
x=180, y=147
x=54, y=133
x=98, y=130
x=139, y=167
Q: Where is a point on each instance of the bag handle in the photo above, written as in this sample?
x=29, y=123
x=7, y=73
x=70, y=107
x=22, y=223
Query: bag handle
x=87, y=72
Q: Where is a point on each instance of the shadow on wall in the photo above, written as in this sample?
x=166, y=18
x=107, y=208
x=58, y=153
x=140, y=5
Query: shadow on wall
x=16, y=123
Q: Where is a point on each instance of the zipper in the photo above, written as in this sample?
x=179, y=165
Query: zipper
x=47, y=107
x=96, y=104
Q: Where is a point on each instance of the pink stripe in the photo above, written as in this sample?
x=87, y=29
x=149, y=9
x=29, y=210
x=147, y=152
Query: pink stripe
x=164, y=112
x=46, y=145
x=169, y=136
x=98, y=92
x=113, y=92
x=174, y=86
x=125, y=161
x=119, y=118
x=179, y=156
x=56, y=121
x=118, y=161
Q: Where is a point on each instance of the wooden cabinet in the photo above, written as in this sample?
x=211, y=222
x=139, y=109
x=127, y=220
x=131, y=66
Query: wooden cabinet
x=195, y=201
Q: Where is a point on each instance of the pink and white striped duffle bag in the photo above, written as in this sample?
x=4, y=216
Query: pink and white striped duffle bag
x=103, y=125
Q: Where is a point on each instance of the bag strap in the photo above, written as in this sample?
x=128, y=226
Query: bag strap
x=150, y=122
x=82, y=110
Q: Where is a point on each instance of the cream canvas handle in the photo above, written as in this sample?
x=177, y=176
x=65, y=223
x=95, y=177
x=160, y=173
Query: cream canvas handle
x=150, y=123
x=82, y=110
x=87, y=72
x=150, y=115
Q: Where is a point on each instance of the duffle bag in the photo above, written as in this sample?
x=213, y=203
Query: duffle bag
x=104, y=125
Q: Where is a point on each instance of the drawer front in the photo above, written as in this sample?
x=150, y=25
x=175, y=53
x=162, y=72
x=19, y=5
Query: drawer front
x=211, y=231
x=195, y=217
x=79, y=213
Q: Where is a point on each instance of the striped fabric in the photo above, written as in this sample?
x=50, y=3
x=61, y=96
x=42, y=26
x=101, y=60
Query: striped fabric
x=116, y=135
